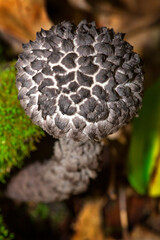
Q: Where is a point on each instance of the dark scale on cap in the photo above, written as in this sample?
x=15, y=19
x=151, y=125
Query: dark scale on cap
x=84, y=79
x=128, y=66
x=54, y=57
x=85, y=50
x=76, y=98
x=79, y=123
x=114, y=59
x=53, y=41
x=38, y=64
x=63, y=79
x=110, y=89
x=26, y=46
x=58, y=69
x=84, y=39
x=51, y=110
x=42, y=53
x=41, y=100
x=69, y=60
x=26, y=57
x=84, y=93
x=32, y=101
x=47, y=106
x=85, y=61
x=48, y=44
x=104, y=37
x=60, y=30
x=50, y=92
x=99, y=92
x=90, y=69
x=73, y=86
x=108, y=66
x=32, y=91
x=102, y=112
x=104, y=48
x=47, y=71
x=54, y=38
x=38, y=77
x=23, y=77
x=27, y=83
x=65, y=106
x=29, y=70
x=123, y=91
x=67, y=45
x=119, y=51
x=92, y=117
x=102, y=76
x=65, y=90
x=82, y=74
x=88, y=106
x=120, y=76
x=60, y=123
x=130, y=74
x=100, y=58
x=34, y=44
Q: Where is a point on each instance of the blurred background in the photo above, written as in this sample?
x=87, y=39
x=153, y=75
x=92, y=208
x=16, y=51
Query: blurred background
x=124, y=201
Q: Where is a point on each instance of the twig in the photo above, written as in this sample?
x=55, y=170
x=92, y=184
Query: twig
x=123, y=212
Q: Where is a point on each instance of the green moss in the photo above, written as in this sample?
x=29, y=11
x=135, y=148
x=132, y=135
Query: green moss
x=40, y=212
x=17, y=133
x=4, y=233
x=56, y=213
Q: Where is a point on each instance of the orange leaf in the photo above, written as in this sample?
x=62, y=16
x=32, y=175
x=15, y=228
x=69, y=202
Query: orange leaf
x=88, y=224
x=20, y=19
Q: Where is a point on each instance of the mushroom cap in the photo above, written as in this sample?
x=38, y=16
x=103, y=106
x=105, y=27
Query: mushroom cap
x=80, y=82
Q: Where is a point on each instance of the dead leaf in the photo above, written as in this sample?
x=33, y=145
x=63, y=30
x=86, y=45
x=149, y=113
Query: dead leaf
x=153, y=222
x=88, y=224
x=140, y=232
x=20, y=20
x=139, y=19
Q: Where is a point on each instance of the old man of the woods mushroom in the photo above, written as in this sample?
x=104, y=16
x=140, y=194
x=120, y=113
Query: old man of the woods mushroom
x=80, y=84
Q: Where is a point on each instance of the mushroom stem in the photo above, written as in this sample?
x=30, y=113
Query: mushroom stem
x=67, y=172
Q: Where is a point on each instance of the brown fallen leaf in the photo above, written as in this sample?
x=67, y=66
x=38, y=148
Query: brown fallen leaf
x=153, y=222
x=138, y=208
x=139, y=19
x=140, y=232
x=88, y=224
x=20, y=20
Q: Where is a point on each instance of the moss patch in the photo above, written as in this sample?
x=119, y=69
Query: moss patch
x=4, y=233
x=17, y=133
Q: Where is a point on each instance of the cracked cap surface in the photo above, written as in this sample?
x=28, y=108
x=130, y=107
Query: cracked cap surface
x=81, y=82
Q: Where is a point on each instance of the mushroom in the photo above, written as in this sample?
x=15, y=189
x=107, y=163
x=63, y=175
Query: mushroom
x=80, y=84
